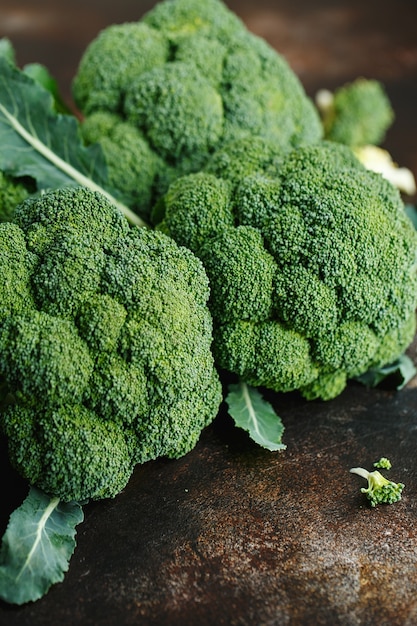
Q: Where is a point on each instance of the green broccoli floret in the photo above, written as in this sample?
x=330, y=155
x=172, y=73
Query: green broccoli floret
x=357, y=114
x=189, y=77
x=43, y=355
x=178, y=110
x=244, y=156
x=380, y=490
x=123, y=143
x=17, y=265
x=113, y=60
x=180, y=19
x=383, y=463
x=105, y=345
x=264, y=97
x=311, y=263
x=12, y=192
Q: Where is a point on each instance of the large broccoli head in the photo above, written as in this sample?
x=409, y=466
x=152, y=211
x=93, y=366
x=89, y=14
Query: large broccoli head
x=105, y=340
x=312, y=268
x=189, y=76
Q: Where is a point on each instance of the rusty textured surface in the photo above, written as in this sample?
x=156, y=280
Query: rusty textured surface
x=232, y=534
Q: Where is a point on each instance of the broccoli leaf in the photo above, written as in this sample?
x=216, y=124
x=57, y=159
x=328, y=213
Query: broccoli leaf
x=255, y=415
x=7, y=50
x=411, y=211
x=37, y=546
x=37, y=141
x=396, y=374
x=41, y=75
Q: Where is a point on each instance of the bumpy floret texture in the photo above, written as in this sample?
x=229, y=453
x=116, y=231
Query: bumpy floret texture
x=360, y=114
x=105, y=345
x=312, y=265
x=380, y=490
x=134, y=169
x=189, y=76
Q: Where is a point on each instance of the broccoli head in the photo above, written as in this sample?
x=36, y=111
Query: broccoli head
x=357, y=114
x=105, y=345
x=311, y=263
x=189, y=76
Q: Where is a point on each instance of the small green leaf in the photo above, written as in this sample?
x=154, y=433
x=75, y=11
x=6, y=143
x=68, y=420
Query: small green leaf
x=255, y=415
x=7, y=50
x=41, y=75
x=37, y=546
x=398, y=373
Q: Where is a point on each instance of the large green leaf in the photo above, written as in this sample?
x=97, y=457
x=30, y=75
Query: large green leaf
x=37, y=141
x=255, y=415
x=37, y=546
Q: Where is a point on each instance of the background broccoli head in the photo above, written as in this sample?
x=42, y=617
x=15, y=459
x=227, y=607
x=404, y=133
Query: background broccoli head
x=188, y=77
x=105, y=345
x=356, y=114
x=312, y=267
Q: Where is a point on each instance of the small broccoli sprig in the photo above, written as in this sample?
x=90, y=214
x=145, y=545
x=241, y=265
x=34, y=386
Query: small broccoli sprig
x=383, y=463
x=380, y=490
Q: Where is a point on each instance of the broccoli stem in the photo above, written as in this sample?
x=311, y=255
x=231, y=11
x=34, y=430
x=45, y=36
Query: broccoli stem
x=39, y=532
x=360, y=471
x=68, y=169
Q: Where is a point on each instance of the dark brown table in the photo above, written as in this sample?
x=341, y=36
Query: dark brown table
x=232, y=534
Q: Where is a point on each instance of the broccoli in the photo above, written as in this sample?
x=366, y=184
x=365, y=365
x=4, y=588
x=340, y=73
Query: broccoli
x=311, y=263
x=383, y=463
x=357, y=114
x=113, y=60
x=380, y=490
x=122, y=142
x=188, y=77
x=105, y=345
x=12, y=192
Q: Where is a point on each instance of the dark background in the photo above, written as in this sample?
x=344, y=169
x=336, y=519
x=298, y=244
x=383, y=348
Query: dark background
x=232, y=534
